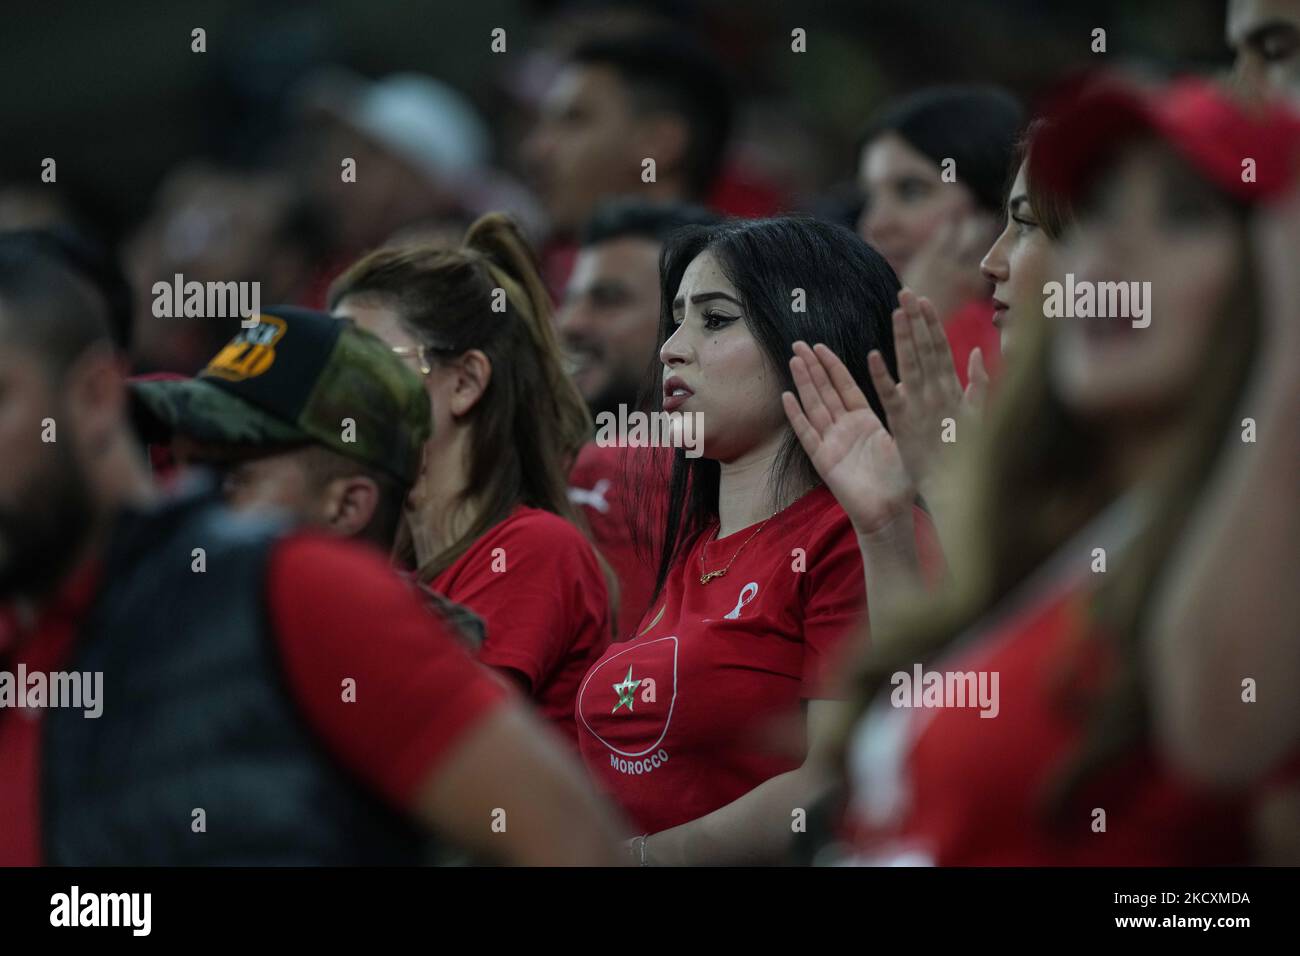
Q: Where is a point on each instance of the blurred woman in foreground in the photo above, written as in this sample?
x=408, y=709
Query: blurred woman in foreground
x=1011, y=726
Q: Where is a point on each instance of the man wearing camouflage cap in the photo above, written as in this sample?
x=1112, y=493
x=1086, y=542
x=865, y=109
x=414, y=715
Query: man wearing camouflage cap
x=311, y=416
x=269, y=697
x=303, y=412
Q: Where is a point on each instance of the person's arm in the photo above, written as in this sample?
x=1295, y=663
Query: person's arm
x=508, y=792
x=861, y=465
x=1229, y=609
x=891, y=566
x=392, y=696
x=758, y=828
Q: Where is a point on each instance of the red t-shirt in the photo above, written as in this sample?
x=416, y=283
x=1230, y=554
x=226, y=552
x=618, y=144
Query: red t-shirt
x=337, y=611
x=599, y=485
x=681, y=719
x=971, y=326
x=536, y=582
x=945, y=786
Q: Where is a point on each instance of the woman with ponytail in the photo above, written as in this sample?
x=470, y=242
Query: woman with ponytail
x=489, y=522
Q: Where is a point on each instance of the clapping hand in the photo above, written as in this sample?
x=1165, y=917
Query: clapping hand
x=849, y=447
x=947, y=268
x=928, y=392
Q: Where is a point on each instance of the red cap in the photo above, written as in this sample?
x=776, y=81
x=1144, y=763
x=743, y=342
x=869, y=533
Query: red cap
x=1202, y=122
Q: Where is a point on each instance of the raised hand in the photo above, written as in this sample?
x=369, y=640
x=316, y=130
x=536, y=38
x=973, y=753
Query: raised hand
x=846, y=442
x=928, y=390
x=946, y=268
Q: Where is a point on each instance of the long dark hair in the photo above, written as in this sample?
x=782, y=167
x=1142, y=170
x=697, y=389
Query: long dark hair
x=973, y=125
x=849, y=292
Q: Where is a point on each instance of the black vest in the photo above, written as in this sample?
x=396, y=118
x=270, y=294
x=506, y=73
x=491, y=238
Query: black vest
x=197, y=715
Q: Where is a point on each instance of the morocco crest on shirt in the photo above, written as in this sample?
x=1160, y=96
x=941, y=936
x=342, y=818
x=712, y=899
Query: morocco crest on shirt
x=627, y=702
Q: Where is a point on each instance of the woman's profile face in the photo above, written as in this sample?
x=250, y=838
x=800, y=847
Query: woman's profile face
x=1019, y=263
x=714, y=367
x=906, y=199
x=1150, y=223
x=385, y=323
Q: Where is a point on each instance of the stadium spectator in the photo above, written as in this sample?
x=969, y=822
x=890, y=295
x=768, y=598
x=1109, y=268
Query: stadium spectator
x=932, y=168
x=490, y=522
x=331, y=434
x=609, y=326
x=263, y=698
x=1081, y=485
x=759, y=575
x=619, y=102
x=1265, y=38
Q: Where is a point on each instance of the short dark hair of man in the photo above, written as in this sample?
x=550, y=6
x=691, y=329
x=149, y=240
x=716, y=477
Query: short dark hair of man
x=37, y=279
x=670, y=71
x=639, y=218
x=93, y=263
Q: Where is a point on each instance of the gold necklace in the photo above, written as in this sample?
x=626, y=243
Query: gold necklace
x=708, y=576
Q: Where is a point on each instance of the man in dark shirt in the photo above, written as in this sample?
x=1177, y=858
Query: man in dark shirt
x=266, y=697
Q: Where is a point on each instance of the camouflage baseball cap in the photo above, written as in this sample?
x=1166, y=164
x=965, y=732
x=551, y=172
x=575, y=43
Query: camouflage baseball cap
x=300, y=376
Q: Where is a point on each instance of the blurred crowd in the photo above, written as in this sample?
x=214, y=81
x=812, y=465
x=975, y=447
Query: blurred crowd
x=988, y=558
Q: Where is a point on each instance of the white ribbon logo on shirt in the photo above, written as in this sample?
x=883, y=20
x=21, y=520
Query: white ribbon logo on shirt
x=592, y=497
x=747, y=594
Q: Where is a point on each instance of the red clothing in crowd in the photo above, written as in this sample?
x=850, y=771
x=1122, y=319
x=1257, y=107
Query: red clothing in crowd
x=536, y=582
x=679, y=720
x=599, y=485
x=971, y=326
x=418, y=692
x=945, y=786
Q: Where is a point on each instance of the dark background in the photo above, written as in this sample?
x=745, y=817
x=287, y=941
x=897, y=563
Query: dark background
x=112, y=91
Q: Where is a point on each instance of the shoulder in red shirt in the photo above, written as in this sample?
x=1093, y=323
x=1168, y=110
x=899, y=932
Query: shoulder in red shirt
x=340, y=613
x=536, y=582
x=599, y=484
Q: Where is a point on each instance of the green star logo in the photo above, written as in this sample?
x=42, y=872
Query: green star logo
x=626, y=691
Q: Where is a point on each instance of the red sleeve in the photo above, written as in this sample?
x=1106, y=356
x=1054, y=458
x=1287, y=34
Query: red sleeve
x=339, y=612
x=835, y=596
x=551, y=591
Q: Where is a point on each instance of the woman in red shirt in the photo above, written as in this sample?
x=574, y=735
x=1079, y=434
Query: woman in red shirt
x=490, y=522
x=1010, y=725
x=705, y=726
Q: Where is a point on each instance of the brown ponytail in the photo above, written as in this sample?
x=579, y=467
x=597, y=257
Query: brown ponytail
x=531, y=420
x=513, y=266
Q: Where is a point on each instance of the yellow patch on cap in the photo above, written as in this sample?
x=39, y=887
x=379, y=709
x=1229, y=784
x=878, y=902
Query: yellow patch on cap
x=250, y=353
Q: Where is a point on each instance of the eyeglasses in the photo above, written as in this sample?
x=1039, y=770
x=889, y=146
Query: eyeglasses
x=421, y=353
